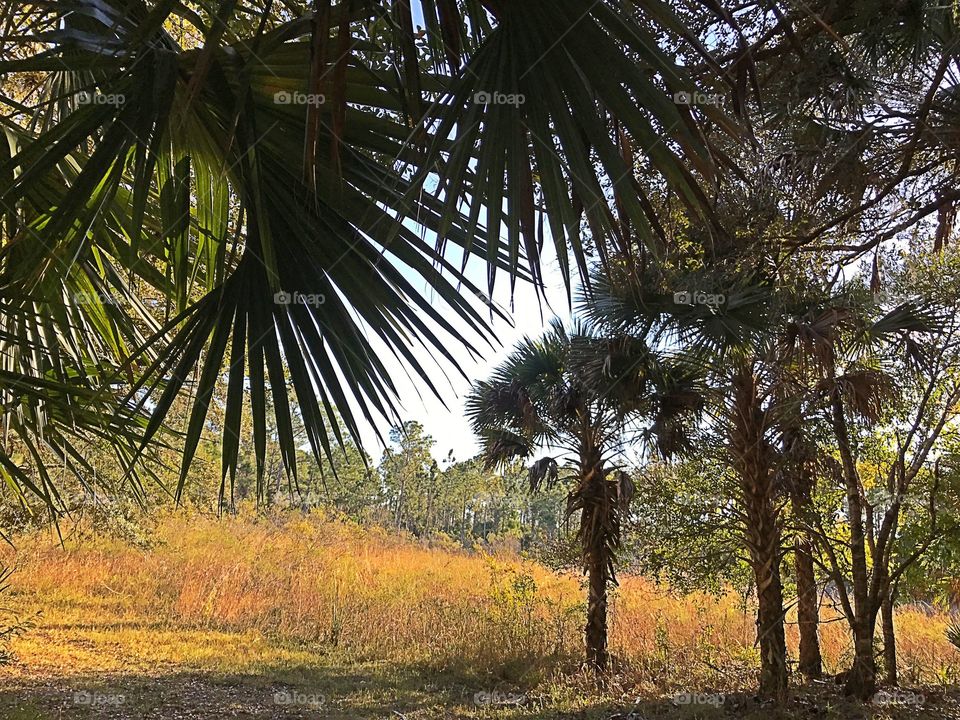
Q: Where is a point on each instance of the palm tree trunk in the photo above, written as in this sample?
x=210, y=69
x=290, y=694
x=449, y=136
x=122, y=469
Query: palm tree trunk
x=597, y=535
x=808, y=595
x=596, y=630
x=765, y=537
x=752, y=458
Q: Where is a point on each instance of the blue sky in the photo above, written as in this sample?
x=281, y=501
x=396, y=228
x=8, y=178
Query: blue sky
x=444, y=418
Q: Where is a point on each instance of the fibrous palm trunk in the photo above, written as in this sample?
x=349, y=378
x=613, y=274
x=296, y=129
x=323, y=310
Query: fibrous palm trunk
x=752, y=457
x=765, y=559
x=596, y=630
x=808, y=595
x=598, y=530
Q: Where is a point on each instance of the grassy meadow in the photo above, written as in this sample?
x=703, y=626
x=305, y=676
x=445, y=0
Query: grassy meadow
x=304, y=617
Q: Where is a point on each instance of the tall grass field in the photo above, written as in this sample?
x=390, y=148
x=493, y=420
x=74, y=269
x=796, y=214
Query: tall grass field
x=300, y=616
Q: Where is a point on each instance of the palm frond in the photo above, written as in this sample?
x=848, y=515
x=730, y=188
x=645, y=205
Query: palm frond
x=269, y=179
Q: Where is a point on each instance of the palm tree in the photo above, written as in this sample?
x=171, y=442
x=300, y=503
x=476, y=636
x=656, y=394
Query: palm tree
x=733, y=340
x=778, y=353
x=195, y=195
x=540, y=398
x=798, y=470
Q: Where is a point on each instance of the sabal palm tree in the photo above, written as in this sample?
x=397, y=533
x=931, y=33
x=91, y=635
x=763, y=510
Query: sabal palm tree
x=196, y=193
x=540, y=399
x=798, y=473
x=770, y=349
x=730, y=340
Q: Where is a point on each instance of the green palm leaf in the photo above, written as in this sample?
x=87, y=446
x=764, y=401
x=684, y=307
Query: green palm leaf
x=190, y=175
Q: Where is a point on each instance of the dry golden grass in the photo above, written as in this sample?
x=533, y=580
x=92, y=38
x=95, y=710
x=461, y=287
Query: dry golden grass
x=302, y=579
x=238, y=596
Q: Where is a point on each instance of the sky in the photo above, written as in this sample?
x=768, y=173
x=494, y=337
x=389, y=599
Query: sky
x=443, y=418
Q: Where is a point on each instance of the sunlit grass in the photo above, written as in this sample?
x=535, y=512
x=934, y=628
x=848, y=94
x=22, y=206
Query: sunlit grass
x=302, y=601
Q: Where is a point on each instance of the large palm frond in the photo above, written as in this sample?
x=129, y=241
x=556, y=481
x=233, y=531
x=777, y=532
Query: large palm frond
x=710, y=312
x=269, y=176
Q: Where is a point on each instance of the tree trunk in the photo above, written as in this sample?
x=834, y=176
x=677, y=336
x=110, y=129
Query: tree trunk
x=862, y=678
x=889, y=638
x=596, y=630
x=400, y=499
x=801, y=481
x=752, y=457
x=770, y=614
x=808, y=611
x=598, y=534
